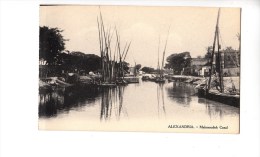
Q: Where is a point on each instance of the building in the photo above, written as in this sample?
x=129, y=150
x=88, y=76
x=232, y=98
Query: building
x=230, y=64
x=132, y=71
x=205, y=70
x=196, y=65
x=196, y=68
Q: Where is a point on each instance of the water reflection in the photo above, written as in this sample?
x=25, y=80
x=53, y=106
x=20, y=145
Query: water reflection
x=175, y=102
x=181, y=93
x=215, y=109
x=160, y=100
x=112, y=103
x=62, y=100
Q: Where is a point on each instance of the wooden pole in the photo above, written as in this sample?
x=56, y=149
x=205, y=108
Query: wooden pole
x=213, y=51
x=165, y=50
x=220, y=63
x=158, y=66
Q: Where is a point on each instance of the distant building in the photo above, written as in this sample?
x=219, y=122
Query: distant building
x=230, y=63
x=42, y=62
x=204, y=71
x=132, y=71
x=196, y=65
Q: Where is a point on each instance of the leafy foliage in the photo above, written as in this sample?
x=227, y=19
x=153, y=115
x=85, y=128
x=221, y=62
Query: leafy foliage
x=51, y=50
x=80, y=61
x=178, y=61
x=148, y=69
x=51, y=45
x=138, y=67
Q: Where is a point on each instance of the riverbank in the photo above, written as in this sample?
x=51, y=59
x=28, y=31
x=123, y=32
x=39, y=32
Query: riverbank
x=186, y=79
x=46, y=83
x=52, y=81
x=229, y=82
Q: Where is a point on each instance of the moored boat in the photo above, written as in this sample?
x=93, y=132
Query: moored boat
x=132, y=79
x=225, y=98
x=121, y=82
x=106, y=84
x=145, y=78
x=214, y=89
x=160, y=80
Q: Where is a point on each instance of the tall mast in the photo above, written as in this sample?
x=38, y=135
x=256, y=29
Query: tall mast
x=220, y=64
x=213, y=50
x=165, y=50
x=158, y=66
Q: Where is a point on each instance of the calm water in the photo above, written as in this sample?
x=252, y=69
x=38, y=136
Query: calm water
x=132, y=107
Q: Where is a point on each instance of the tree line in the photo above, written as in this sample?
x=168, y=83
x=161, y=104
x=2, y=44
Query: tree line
x=53, y=52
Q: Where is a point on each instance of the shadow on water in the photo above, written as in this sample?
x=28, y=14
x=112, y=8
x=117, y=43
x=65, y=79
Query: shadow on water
x=62, y=100
x=160, y=100
x=109, y=104
x=112, y=103
x=216, y=109
x=181, y=93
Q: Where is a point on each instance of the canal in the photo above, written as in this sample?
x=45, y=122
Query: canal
x=146, y=106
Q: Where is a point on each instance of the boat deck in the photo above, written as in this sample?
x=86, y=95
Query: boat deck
x=225, y=98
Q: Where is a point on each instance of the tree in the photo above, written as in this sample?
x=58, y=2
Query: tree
x=80, y=61
x=148, y=69
x=125, y=66
x=178, y=61
x=239, y=40
x=52, y=44
x=229, y=49
x=238, y=37
x=138, y=67
x=209, y=50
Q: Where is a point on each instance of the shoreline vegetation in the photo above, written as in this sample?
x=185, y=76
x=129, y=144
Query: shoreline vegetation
x=50, y=83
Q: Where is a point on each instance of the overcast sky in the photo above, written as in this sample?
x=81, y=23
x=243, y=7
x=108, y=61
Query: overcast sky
x=191, y=28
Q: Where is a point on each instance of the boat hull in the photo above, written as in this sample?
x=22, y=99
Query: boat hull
x=145, y=78
x=159, y=81
x=107, y=85
x=131, y=79
x=231, y=100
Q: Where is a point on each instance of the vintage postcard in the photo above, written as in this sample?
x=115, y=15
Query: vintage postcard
x=139, y=68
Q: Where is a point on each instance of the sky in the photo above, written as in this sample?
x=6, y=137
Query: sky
x=190, y=29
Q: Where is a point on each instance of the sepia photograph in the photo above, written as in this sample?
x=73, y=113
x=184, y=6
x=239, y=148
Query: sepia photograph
x=129, y=78
x=139, y=68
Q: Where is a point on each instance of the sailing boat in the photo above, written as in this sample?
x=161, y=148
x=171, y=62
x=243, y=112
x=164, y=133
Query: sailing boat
x=120, y=80
x=105, y=37
x=216, y=77
x=111, y=75
x=133, y=78
x=160, y=78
